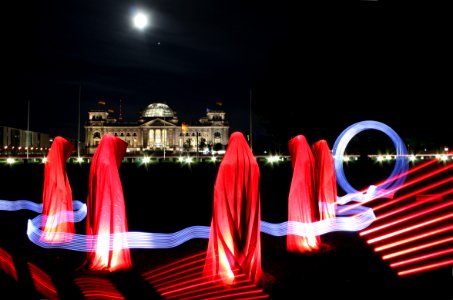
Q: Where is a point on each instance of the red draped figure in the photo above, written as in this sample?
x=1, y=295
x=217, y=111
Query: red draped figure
x=302, y=206
x=106, y=211
x=326, y=182
x=234, y=246
x=57, y=210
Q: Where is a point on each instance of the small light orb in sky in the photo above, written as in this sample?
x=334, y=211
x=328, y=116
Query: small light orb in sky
x=140, y=20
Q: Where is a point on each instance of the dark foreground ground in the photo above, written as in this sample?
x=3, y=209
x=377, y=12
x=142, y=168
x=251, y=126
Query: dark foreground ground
x=168, y=198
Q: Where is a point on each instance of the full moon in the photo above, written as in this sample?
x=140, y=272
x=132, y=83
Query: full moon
x=140, y=20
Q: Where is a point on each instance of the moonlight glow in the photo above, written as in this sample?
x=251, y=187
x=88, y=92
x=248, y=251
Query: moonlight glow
x=140, y=20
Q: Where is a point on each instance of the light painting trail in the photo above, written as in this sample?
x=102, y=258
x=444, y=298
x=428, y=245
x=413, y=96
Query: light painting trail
x=396, y=178
x=350, y=215
x=360, y=217
x=14, y=205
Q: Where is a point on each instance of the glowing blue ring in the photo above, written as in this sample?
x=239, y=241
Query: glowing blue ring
x=401, y=164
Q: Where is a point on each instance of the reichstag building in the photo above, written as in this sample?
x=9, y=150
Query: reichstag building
x=158, y=130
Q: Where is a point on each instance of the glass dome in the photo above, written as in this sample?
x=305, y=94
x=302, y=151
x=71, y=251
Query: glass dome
x=158, y=110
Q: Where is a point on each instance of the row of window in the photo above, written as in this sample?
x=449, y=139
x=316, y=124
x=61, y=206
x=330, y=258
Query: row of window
x=97, y=135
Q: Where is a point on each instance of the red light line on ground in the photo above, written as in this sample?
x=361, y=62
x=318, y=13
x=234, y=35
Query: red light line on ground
x=212, y=288
x=409, y=217
x=7, y=264
x=192, y=292
x=187, y=290
x=97, y=288
x=43, y=282
x=192, y=278
x=205, y=288
x=395, y=211
x=150, y=275
x=395, y=233
x=413, y=182
x=385, y=182
x=184, y=279
x=413, y=249
x=414, y=238
x=173, y=275
x=419, y=258
x=240, y=295
x=437, y=265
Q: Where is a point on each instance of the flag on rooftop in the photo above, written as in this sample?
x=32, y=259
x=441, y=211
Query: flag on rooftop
x=101, y=102
x=184, y=127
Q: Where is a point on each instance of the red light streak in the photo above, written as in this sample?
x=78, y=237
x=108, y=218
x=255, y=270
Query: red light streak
x=414, y=238
x=413, y=249
x=43, y=282
x=395, y=233
x=387, y=181
x=409, y=217
x=415, y=193
x=183, y=279
x=7, y=264
x=438, y=195
x=402, y=186
x=427, y=267
x=419, y=258
x=98, y=288
x=157, y=272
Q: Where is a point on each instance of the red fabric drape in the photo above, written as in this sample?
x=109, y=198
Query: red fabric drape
x=326, y=182
x=58, y=219
x=302, y=206
x=106, y=213
x=234, y=245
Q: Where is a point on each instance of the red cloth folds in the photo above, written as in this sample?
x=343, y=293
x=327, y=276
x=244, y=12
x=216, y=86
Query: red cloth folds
x=234, y=245
x=302, y=206
x=106, y=210
x=326, y=182
x=58, y=218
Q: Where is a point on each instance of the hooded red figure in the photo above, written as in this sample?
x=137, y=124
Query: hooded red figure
x=326, y=182
x=57, y=209
x=106, y=211
x=234, y=246
x=302, y=206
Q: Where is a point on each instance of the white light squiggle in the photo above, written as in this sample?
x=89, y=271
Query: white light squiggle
x=360, y=217
x=20, y=204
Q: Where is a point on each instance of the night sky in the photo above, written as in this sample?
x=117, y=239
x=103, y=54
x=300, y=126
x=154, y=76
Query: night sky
x=305, y=67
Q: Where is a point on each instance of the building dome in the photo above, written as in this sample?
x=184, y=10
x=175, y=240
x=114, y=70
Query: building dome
x=158, y=110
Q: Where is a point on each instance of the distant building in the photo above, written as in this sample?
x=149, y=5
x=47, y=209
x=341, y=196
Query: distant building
x=14, y=141
x=158, y=129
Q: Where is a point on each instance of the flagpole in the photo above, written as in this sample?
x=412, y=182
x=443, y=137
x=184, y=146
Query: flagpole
x=250, y=118
x=27, y=144
x=78, y=124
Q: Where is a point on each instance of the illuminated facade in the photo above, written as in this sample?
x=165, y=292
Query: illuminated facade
x=14, y=141
x=158, y=129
